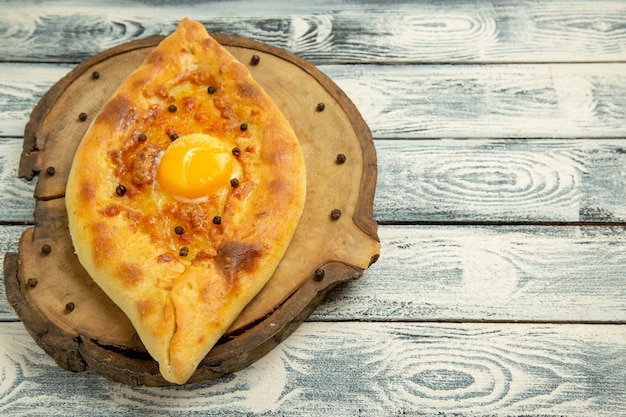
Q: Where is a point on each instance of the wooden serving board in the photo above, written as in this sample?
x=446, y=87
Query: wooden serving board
x=77, y=324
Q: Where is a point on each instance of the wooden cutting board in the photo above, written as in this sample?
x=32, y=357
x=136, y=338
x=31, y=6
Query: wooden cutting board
x=77, y=324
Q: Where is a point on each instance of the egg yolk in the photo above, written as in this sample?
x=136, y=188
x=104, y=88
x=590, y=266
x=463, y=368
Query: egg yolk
x=195, y=166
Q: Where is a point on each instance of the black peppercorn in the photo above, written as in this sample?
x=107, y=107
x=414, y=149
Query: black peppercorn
x=335, y=214
x=217, y=220
x=243, y=127
x=234, y=182
x=120, y=190
x=341, y=158
x=320, y=106
x=51, y=171
x=172, y=108
x=319, y=274
x=179, y=230
x=95, y=75
x=211, y=89
x=142, y=137
x=69, y=307
x=255, y=59
x=46, y=249
x=173, y=136
x=184, y=251
x=82, y=117
x=236, y=151
x=32, y=282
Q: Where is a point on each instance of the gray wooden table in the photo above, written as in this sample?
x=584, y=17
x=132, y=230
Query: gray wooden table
x=500, y=128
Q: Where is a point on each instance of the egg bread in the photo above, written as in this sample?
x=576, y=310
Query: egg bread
x=184, y=195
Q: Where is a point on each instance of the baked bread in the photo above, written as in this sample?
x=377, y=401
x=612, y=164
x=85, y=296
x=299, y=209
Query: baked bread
x=184, y=195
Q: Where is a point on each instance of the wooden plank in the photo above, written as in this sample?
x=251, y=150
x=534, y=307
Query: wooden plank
x=501, y=181
x=522, y=181
x=326, y=31
x=488, y=101
x=431, y=101
x=489, y=273
x=17, y=194
x=331, y=369
x=21, y=87
x=461, y=273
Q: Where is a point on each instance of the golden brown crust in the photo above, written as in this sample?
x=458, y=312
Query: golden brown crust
x=127, y=242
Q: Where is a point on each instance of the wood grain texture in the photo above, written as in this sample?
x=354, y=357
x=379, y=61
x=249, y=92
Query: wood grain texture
x=325, y=31
x=21, y=87
x=522, y=181
x=382, y=369
x=493, y=101
x=476, y=273
x=17, y=194
x=551, y=70
x=432, y=101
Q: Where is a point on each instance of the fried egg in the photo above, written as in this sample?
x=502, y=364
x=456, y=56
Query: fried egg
x=196, y=166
